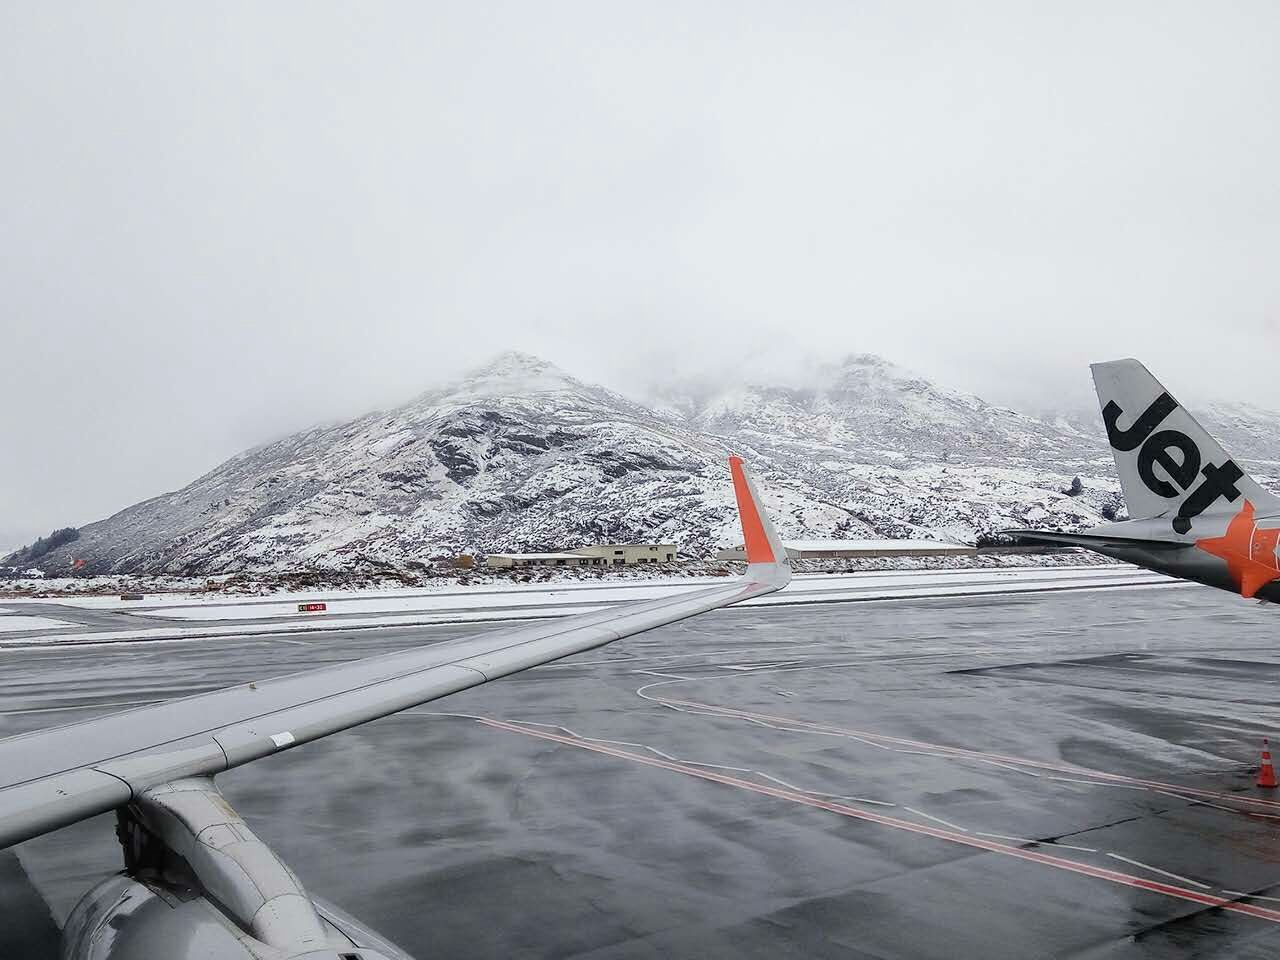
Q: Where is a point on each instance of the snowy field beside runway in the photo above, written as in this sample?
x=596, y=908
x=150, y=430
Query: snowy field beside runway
x=177, y=618
x=15, y=622
x=804, y=588
x=436, y=592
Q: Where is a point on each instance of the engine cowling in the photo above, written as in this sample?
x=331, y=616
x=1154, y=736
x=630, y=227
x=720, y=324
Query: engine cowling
x=198, y=883
x=126, y=919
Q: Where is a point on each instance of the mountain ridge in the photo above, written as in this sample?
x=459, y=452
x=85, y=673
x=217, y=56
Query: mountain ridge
x=520, y=455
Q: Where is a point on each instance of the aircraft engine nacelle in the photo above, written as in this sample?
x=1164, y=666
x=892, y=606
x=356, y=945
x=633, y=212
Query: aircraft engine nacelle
x=198, y=883
x=125, y=919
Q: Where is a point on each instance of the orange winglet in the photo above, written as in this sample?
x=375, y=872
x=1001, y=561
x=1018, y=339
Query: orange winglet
x=1250, y=553
x=756, y=540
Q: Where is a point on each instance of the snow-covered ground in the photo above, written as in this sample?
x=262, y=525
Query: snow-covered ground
x=352, y=610
x=103, y=592
x=14, y=623
x=168, y=598
x=445, y=594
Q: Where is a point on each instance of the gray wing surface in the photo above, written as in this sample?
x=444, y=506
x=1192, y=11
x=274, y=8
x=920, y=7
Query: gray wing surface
x=51, y=778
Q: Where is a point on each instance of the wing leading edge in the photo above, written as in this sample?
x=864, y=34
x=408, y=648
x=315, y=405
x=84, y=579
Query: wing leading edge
x=52, y=778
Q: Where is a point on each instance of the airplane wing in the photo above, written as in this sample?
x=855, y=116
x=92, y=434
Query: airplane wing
x=51, y=778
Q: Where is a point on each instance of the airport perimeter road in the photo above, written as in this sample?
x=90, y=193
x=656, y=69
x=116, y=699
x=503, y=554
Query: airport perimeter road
x=1056, y=774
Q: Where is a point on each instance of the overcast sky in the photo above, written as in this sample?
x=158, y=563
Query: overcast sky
x=221, y=222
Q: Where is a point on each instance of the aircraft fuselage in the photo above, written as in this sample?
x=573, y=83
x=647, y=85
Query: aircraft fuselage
x=1237, y=552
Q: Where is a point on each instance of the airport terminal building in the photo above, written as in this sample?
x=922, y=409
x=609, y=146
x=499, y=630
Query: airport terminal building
x=601, y=555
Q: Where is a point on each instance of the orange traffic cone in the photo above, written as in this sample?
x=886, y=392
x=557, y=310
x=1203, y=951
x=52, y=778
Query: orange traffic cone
x=1267, y=773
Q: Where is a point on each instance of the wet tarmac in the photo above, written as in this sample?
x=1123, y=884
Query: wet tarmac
x=1059, y=774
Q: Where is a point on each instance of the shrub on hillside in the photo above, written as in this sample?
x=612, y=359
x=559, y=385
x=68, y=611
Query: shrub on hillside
x=44, y=545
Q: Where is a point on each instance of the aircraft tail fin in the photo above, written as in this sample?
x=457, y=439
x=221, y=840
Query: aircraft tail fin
x=1169, y=465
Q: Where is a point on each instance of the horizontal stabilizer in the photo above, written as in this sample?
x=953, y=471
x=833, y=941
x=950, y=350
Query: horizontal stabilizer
x=1091, y=541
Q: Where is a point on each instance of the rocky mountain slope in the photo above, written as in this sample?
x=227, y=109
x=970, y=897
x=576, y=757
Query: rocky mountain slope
x=522, y=456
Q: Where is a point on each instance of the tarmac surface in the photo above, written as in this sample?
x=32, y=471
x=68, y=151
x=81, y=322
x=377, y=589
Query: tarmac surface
x=1056, y=774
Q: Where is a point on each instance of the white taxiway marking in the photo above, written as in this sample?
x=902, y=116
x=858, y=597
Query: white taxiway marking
x=929, y=816
x=819, y=793
x=667, y=676
x=1042, y=843
x=1163, y=873
x=1067, y=846
x=1250, y=896
x=1009, y=766
x=16, y=622
x=1095, y=783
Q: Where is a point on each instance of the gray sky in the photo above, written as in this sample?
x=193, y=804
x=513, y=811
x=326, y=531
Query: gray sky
x=224, y=221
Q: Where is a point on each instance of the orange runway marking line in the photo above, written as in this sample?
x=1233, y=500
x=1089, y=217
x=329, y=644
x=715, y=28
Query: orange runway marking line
x=966, y=839
x=975, y=754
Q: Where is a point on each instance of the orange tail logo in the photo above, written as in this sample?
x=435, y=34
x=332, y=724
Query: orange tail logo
x=1250, y=553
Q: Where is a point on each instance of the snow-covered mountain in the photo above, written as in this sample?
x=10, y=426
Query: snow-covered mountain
x=903, y=456
x=522, y=456
x=873, y=411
